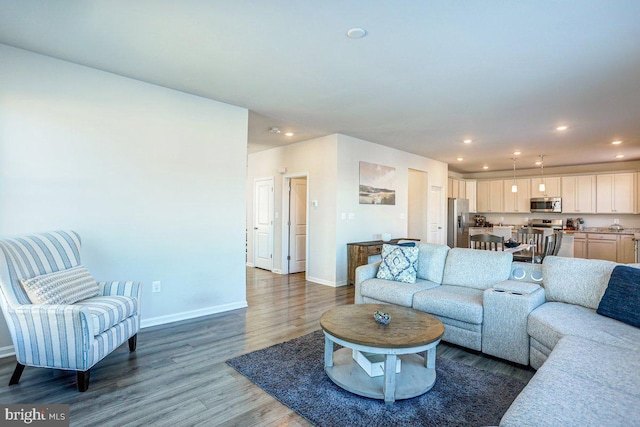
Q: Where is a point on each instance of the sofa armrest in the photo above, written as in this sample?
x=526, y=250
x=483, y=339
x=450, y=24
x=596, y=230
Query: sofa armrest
x=127, y=289
x=506, y=314
x=40, y=341
x=364, y=272
x=517, y=288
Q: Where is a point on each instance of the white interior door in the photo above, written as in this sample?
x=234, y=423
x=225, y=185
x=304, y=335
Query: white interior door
x=297, y=225
x=436, y=215
x=263, y=223
x=417, y=217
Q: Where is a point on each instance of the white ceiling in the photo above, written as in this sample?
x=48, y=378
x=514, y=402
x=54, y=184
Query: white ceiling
x=428, y=75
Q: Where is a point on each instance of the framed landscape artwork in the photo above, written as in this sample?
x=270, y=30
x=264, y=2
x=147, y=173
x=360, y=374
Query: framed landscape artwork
x=377, y=184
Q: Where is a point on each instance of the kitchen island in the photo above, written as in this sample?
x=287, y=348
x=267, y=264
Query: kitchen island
x=605, y=243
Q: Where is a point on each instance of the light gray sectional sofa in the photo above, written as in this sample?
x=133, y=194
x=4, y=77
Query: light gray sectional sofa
x=541, y=315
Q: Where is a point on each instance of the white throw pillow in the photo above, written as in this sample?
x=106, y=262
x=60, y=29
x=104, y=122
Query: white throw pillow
x=399, y=263
x=61, y=287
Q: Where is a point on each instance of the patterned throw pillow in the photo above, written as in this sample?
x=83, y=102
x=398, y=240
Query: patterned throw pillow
x=399, y=263
x=61, y=287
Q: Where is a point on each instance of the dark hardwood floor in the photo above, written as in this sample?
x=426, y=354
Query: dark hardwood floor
x=178, y=375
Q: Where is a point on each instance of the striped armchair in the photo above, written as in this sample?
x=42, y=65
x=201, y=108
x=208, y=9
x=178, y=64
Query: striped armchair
x=54, y=331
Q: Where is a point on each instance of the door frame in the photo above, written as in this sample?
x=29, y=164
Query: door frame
x=271, y=219
x=286, y=179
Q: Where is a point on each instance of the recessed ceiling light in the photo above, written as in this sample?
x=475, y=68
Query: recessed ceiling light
x=460, y=159
x=619, y=156
x=289, y=134
x=467, y=141
x=616, y=143
x=538, y=163
x=274, y=129
x=356, y=33
x=485, y=167
x=517, y=153
x=563, y=127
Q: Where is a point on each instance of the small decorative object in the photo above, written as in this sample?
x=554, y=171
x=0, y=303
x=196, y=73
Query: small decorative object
x=381, y=317
x=511, y=243
x=385, y=237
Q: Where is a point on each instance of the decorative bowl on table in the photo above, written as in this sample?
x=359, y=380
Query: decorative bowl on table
x=381, y=317
x=511, y=243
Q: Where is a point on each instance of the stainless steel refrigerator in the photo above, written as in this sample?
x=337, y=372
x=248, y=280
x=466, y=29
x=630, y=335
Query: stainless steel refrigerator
x=458, y=223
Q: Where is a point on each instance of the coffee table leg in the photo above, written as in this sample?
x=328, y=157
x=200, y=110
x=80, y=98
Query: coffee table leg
x=389, y=388
x=328, y=352
x=430, y=358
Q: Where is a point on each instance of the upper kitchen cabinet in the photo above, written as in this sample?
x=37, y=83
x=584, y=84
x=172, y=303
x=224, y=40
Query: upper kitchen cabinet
x=489, y=196
x=579, y=194
x=471, y=195
x=615, y=193
x=452, y=190
x=517, y=202
x=457, y=188
x=551, y=186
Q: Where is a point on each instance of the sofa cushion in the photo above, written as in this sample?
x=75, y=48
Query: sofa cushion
x=394, y=292
x=456, y=302
x=582, y=383
x=475, y=268
x=576, y=280
x=61, y=287
x=621, y=300
x=554, y=320
x=431, y=260
x=399, y=263
x=108, y=311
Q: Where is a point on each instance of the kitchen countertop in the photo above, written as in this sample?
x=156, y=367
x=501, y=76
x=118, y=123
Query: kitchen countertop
x=605, y=230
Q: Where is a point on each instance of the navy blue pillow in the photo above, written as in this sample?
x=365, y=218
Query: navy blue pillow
x=407, y=244
x=621, y=300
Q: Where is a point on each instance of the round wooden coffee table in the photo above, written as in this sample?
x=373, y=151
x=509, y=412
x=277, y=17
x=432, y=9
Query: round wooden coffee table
x=409, y=332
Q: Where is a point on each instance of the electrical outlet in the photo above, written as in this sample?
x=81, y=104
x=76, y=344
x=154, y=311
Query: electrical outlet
x=156, y=286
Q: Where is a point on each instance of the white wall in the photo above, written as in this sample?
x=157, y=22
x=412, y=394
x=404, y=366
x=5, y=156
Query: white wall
x=317, y=159
x=152, y=179
x=369, y=221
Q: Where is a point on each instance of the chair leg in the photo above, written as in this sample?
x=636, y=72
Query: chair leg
x=83, y=380
x=17, y=373
x=133, y=341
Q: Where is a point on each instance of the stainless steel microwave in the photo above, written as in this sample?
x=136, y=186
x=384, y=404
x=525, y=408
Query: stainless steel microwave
x=546, y=204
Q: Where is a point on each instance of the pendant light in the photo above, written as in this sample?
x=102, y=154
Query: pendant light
x=542, y=188
x=514, y=187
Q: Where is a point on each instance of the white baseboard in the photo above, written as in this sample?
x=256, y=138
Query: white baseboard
x=185, y=315
x=321, y=281
x=276, y=271
x=249, y=264
x=6, y=351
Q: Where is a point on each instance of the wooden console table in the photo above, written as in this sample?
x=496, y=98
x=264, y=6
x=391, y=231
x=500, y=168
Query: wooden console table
x=358, y=254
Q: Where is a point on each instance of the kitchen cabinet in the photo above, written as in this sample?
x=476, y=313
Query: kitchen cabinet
x=579, y=194
x=607, y=246
x=518, y=202
x=615, y=193
x=626, y=249
x=489, y=196
x=457, y=188
x=452, y=190
x=551, y=186
x=471, y=195
x=602, y=246
x=580, y=245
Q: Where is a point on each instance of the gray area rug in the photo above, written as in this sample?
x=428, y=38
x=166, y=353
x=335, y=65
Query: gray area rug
x=293, y=373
